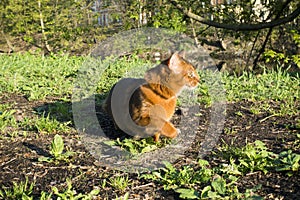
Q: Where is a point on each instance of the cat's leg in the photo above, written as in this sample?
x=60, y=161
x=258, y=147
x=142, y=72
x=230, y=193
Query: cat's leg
x=156, y=136
x=169, y=130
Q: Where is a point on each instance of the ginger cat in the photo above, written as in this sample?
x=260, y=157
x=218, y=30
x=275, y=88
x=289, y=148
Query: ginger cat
x=153, y=101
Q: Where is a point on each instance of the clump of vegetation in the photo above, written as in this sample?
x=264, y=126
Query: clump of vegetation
x=38, y=77
x=136, y=147
x=22, y=190
x=203, y=181
x=277, y=85
x=200, y=181
x=57, y=151
x=250, y=158
x=256, y=157
x=7, y=118
x=287, y=161
x=71, y=194
x=44, y=124
x=119, y=182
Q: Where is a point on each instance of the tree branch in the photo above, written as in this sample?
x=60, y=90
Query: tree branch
x=10, y=46
x=43, y=28
x=263, y=47
x=239, y=27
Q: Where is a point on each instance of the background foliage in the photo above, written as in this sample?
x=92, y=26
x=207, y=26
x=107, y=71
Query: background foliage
x=47, y=25
x=72, y=26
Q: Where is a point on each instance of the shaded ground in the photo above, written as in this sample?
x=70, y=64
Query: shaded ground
x=19, y=154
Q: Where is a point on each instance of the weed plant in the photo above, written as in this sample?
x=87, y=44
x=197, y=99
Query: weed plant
x=22, y=190
x=71, y=194
x=136, y=147
x=57, y=151
x=119, y=182
x=257, y=157
x=44, y=124
x=200, y=181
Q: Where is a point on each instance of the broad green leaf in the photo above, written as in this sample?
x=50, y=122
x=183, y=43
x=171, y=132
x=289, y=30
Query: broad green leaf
x=213, y=195
x=110, y=142
x=219, y=185
x=204, y=193
x=157, y=174
x=243, y=162
x=57, y=145
x=169, y=166
x=44, y=159
x=203, y=163
x=187, y=193
x=148, y=148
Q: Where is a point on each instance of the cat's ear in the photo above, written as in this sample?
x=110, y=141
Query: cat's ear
x=181, y=53
x=174, y=63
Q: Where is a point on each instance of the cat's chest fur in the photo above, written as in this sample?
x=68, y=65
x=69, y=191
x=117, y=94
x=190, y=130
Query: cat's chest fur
x=156, y=94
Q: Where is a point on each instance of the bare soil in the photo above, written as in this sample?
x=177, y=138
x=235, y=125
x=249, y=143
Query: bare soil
x=19, y=155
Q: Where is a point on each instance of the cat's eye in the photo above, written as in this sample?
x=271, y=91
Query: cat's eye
x=191, y=75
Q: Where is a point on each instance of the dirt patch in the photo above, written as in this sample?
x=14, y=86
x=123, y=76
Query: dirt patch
x=19, y=154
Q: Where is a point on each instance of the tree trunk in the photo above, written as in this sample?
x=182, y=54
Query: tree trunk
x=45, y=39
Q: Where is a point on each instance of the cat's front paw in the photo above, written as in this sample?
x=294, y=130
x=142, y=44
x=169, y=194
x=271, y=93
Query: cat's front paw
x=174, y=133
x=177, y=132
x=169, y=130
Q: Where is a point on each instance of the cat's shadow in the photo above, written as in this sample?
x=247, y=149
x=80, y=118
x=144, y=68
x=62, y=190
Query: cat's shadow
x=105, y=121
x=62, y=112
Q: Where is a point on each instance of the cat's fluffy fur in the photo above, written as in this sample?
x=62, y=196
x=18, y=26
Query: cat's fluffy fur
x=153, y=103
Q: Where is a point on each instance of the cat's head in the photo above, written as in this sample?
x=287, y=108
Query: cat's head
x=183, y=70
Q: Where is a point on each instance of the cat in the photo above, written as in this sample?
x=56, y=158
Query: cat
x=153, y=100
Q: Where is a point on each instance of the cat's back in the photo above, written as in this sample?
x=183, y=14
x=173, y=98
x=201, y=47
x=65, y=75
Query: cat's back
x=121, y=93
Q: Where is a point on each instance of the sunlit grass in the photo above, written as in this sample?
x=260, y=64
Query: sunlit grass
x=272, y=85
x=275, y=85
x=7, y=118
x=38, y=77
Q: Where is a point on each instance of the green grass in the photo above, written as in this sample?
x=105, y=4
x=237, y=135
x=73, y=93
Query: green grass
x=7, y=118
x=44, y=124
x=271, y=85
x=22, y=190
x=277, y=85
x=136, y=147
x=38, y=77
x=120, y=68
